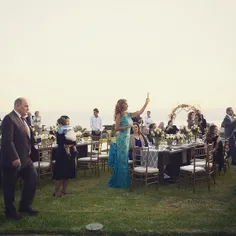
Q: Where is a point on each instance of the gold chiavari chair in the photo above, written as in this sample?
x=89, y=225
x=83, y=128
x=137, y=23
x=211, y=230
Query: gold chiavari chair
x=194, y=172
x=141, y=170
x=91, y=162
x=43, y=165
x=226, y=155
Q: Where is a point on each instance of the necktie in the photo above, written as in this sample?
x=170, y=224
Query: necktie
x=26, y=126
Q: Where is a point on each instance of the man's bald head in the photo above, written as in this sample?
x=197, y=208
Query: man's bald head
x=21, y=106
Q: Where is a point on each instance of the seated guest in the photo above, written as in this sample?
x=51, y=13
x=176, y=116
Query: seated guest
x=171, y=129
x=150, y=136
x=161, y=126
x=218, y=150
x=136, y=139
x=144, y=133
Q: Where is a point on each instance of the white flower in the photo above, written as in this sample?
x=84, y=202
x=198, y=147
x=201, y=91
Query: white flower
x=78, y=133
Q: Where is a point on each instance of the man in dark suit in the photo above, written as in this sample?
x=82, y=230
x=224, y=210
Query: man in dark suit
x=16, y=148
x=229, y=124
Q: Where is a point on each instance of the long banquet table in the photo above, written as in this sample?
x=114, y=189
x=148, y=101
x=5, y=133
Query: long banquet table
x=170, y=159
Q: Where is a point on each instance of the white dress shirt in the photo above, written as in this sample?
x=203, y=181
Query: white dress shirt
x=26, y=125
x=96, y=123
x=148, y=121
x=230, y=117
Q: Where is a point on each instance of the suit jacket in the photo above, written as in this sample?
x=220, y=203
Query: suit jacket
x=16, y=144
x=229, y=126
x=28, y=121
x=150, y=137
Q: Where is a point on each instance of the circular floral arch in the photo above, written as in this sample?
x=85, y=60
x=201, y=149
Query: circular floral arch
x=181, y=107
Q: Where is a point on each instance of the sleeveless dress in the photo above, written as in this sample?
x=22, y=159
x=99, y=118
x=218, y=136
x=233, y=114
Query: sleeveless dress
x=118, y=156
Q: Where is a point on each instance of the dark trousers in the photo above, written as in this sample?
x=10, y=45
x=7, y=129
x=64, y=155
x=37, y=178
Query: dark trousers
x=9, y=179
x=95, y=137
x=232, y=150
x=96, y=134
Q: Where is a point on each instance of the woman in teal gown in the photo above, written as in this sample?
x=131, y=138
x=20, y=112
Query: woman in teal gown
x=118, y=156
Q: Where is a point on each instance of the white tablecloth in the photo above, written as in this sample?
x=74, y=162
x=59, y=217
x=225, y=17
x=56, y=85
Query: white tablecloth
x=152, y=159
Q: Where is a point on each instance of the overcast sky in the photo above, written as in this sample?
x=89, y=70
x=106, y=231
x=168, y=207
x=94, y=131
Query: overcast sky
x=79, y=54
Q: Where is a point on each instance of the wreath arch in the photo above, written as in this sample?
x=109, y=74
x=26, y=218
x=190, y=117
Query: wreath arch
x=181, y=107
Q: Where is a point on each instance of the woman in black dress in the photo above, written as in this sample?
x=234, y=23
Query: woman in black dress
x=64, y=167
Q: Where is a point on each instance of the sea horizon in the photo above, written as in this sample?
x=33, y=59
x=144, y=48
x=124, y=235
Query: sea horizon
x=82, y=118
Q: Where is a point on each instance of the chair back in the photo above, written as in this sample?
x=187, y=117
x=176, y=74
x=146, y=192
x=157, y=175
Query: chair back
x=141, y=157
x=45, y=152
x=200, y=152
x=226, y=148
x=136, y=154
x=209, y=157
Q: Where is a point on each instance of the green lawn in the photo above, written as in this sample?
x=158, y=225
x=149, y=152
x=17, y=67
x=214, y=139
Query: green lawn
x=167, y=210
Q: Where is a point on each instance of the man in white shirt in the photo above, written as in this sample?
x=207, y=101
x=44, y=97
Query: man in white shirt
x=96, y=123
x=148, y=120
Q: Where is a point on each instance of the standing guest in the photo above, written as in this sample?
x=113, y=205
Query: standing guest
x=69, y=133
x=201, y=121
x=148, y=119
x=64, y=167
x=138, y=119
x=37, y=121
x=96, y=123
x=17, y=146
x=191, y=119
x=229, y=124
x=123, y=122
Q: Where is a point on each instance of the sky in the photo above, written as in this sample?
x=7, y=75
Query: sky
x=75, y=55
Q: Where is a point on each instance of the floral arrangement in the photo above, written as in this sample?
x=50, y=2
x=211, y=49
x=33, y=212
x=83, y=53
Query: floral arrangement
x=178, y=137
x=81, y=132
x=53, y=130
x=43, y=137
x=158, y=133
x=169, y=138
x=195, y=130
x=185, y=130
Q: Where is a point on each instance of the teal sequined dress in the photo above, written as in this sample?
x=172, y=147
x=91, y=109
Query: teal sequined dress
x=118, y=156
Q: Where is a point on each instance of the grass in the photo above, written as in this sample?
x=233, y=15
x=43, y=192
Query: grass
x=169, y=210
